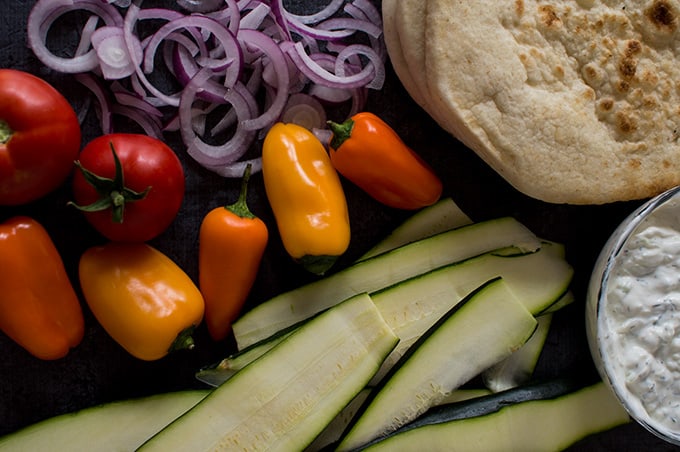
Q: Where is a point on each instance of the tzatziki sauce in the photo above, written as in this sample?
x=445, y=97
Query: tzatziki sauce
x=639, y=321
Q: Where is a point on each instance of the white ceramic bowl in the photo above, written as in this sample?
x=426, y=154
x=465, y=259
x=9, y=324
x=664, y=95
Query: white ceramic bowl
x=630, y=315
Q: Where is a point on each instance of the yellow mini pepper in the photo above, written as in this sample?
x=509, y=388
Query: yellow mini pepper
x=306, y=197
x=144, y=301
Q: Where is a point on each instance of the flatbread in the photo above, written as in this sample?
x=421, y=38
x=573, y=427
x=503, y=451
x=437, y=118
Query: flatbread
x=570, y=101
x=390, y=13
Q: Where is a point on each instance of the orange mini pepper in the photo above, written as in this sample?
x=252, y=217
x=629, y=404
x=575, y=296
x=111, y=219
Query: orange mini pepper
x=306, y=196
x=369, y=153
x=39, y=308
x=141, y=297
x=231, y=241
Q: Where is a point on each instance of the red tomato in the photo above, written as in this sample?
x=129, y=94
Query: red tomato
x=154, y=186
x=39, y=137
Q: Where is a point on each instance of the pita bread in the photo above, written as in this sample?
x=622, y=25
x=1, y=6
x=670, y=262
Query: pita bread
x=570, y=101
x=391, y=11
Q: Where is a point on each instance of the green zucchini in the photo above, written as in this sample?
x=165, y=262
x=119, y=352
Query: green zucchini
x=518, y=368
x=485, y=327
x=381, y=271
x=334, y=430
x=412, y=306
x=428, y=221
x=285, y=399
x=115, y=426
x=553, y=423
x=565, y=300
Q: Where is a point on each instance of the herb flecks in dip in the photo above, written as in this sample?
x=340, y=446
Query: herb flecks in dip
x=641, y=321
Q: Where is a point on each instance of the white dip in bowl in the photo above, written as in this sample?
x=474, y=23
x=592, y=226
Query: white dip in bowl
x=633, y=315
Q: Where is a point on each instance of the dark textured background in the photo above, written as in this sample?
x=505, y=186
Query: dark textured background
x=100, y=371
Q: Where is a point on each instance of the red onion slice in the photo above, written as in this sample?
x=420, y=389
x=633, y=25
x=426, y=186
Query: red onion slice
x=45, y=12
x=278, y=59
x=205, y=154
x=304, y=110
x=112, y=52
x=224, y=54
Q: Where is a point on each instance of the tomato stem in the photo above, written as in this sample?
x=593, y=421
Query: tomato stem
x=113, y=192
x=5, y=132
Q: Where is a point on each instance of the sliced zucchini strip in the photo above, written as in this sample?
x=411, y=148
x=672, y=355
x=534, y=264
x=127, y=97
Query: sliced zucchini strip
x=481, y=330
x=285, y=399
x=379, y=272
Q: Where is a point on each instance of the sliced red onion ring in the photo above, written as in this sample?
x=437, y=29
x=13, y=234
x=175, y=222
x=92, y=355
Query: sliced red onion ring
x=255, y=17
x=224, y=54
x=329, y=10
x=45, y=12
x=103, y=100
x=304, y=110
x=201, y=6
x=226, y=39
x=112, y=52
x=353, y=50
x=205, y=154
x=236, y=169
x=149, y=124
x=318, y=74
x=278, y=59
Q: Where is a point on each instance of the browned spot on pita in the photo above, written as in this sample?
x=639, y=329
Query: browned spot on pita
x=666, y=164
x=662, y=15
x=519, y=7
x=633, y=47
x=627, y=67
x=649, y=77
x=623, y=86
x=634, y=163
x=625, y=122
x=589, y=94
x=548, y=16
x=650, y=101
x=606, y=104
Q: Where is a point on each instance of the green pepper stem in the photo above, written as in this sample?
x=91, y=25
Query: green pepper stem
x=240, y=207
x=5, y=132
x=341, y=132
x=184, y=340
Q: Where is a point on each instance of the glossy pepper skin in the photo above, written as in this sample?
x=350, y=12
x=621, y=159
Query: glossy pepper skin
x=39, y=308
x=143, y=300
x=306, y=197
x=232, y=241
x=39, y=137
x=369, y=153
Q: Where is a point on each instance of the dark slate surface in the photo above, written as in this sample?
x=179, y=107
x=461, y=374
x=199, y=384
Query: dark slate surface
x=99, y=371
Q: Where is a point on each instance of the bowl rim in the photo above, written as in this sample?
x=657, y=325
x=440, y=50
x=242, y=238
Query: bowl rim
x=596, y=297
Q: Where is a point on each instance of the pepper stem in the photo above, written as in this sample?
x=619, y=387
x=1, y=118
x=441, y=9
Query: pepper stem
x=184, y=340
x=341, y=132
x=5, y=132
x=240, y=207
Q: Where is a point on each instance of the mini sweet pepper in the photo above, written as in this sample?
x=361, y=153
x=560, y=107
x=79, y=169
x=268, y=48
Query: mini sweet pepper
x=231, y=244
x=368, y=152
x=306, y=197
x=141, y=297
x=39, y=308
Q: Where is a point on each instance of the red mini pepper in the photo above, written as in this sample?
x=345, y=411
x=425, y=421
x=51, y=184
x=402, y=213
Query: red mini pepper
x=39, y=308
x=232, y=241
x=369, y=153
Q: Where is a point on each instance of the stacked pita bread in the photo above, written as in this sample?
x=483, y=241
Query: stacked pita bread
x=571, y=101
